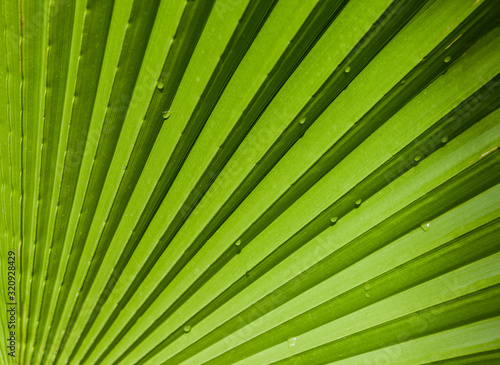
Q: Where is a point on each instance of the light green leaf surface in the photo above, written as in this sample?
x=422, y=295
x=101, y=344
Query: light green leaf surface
x=251, y=181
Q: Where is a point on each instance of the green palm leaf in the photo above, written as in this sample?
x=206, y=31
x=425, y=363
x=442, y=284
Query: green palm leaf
x=250, y=181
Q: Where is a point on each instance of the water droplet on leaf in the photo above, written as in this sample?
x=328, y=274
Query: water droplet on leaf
x=425, y=226
x=417, y=158
x=291, y=341
x=447, y=59
x=160, y=85
x=166, y=114
x=347, y=69
x=187, y=328
x=333, y=219
x=359, y=201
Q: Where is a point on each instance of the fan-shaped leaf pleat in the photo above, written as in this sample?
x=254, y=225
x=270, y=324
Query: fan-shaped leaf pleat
x=250, y=181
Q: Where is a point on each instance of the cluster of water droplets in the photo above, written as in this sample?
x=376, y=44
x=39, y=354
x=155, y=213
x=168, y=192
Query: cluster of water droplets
x=367, y=287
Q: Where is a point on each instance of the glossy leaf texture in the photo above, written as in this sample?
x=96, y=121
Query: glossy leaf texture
x=250, y=181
